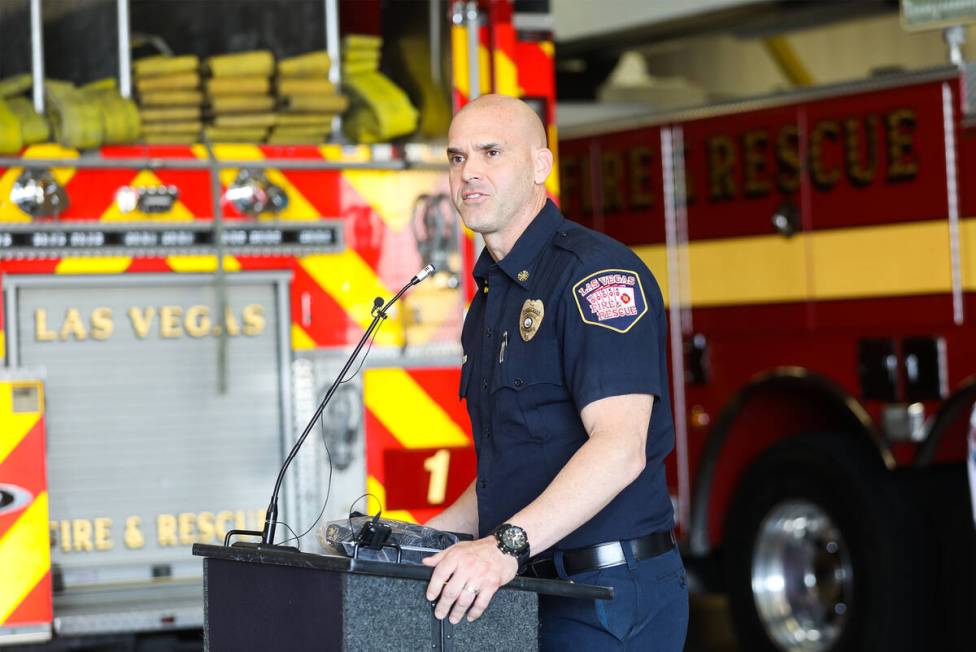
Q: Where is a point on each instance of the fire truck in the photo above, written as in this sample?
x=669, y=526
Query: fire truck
x=172, y=315
x=816, y=251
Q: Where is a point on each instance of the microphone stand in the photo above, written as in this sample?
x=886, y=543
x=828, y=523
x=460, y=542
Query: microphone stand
x=271, y=516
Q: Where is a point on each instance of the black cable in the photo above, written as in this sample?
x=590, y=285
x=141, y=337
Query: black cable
x=287, y=540
x=328, y=493
x=363, y=359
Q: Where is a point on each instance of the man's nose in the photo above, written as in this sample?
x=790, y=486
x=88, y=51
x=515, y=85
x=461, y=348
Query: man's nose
x=471, y=171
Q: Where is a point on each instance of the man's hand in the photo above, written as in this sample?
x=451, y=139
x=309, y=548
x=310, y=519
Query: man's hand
x=466, y=577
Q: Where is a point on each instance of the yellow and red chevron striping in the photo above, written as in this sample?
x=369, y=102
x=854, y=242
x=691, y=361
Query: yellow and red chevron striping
x=25, y=560
x=410, y=409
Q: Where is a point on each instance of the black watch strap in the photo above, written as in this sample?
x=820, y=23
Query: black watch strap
x=512, y=540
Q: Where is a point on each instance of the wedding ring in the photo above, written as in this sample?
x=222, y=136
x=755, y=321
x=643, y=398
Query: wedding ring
x=471, y=589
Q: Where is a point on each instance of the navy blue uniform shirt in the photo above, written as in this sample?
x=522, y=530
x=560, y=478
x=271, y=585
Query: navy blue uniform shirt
x=568, y=317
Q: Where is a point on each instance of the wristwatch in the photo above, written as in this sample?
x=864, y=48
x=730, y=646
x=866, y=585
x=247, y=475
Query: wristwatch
x=512, y=540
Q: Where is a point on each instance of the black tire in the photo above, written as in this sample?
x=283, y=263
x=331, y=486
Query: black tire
x=886, y=596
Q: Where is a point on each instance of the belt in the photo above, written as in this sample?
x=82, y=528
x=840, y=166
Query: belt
x=602, y=555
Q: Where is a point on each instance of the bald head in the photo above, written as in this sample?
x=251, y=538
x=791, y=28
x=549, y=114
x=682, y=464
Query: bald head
x=518, y=117
x=499, y=162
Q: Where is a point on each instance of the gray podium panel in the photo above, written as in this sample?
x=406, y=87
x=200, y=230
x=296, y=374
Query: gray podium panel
x=273, y=600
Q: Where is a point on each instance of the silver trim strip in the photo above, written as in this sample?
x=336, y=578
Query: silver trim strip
x=942, y=73
x=474, y=63
x=37, y=55
x=332, y=48
x=952, y=195
x=672, y=160
x=125, y=50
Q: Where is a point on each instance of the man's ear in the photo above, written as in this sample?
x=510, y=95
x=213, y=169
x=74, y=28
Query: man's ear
x=543, y=164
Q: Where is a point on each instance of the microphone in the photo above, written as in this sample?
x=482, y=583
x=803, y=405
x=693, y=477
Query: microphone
x=422, y=274
x=379, y=313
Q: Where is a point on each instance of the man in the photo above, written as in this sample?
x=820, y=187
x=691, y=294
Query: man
x=565, y=377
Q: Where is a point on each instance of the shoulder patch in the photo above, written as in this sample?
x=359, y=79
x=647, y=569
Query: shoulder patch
x=611, y=298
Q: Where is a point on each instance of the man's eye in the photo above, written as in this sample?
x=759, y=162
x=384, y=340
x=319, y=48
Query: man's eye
x=493, y=152
x=456, y=159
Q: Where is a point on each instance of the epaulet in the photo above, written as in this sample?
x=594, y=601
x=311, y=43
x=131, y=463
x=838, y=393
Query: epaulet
x=574, y=238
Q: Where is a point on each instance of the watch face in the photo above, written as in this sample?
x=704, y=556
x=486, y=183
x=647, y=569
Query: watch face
x=514, y=538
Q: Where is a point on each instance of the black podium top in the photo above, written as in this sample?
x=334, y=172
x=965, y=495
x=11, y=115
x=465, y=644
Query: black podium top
x=337, y=563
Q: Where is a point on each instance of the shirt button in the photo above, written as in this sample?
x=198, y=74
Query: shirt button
x=488, y=332
x=519, y=382
x=482, y=483
x=488, y=433
x=484, y=383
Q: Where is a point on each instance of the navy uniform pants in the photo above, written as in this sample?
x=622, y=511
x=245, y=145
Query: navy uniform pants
x=649, y=611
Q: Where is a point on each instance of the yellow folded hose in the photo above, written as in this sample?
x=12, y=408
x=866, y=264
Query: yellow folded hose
x=305, y=86
x=245, y=120
x=222, y=104
x=363, y=55
x=75, y=120
x=381, y=110
x=171, y=98
x=318, y=120
x=165, y=65
x=175, y=127
x=310, y=63
x=235, y=135
x=360, y=42
x=120, y=117
x=15, y=85
x=316, y=103
x=170, y=114
x=11, y=140
x=179, y=81
x=297, y=136
x=256, y=62
x=358, y=67
x=250, y=85
x=33, y=126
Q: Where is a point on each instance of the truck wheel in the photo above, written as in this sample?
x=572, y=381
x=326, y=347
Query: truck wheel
x=824, y=553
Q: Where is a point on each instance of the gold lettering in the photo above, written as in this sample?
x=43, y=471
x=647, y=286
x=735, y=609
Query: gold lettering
x=641, y=195
x=65, y=536
x=187, y=526
x=81, y=533
x=101, y=323
x=169, y=321
x=861, y=167
x=223, y=523
x=721, y=166
x=822, y=178
x=788, y=159
x=197, y=322
x=613, y=176
x=230, y=321
x=103, y=534
x=754, y=145
x=133, y=537
x=73, y=325
x=253, y=319
x=205, y=525
x=166, y=529
x=141, y=320
x=41, y=332
x=902, y=164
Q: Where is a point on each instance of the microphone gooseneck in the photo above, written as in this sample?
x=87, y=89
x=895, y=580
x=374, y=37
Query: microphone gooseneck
x=379, y=313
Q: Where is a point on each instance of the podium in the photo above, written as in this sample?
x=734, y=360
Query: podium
x=260, y=599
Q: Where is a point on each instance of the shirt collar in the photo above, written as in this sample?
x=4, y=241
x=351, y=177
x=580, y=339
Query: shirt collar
x=519, y=260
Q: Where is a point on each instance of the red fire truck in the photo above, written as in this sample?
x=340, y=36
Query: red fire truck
x=817, y=251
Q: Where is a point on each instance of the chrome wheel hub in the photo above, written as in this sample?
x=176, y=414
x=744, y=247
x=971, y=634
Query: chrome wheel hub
x=802, y=579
